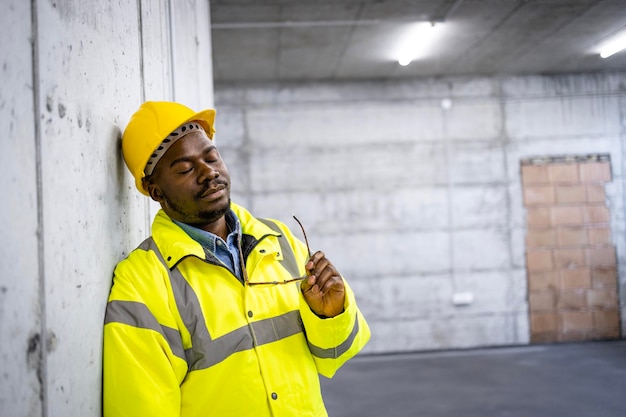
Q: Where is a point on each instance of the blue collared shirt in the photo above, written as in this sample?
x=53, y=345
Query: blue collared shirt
x=226, y=251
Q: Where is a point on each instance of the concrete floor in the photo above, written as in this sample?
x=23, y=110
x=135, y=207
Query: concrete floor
x=560, y=380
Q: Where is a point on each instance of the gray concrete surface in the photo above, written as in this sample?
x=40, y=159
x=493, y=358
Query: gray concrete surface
x=72, y=75
x=346, y=40
x=413, y=188
x=568, y=380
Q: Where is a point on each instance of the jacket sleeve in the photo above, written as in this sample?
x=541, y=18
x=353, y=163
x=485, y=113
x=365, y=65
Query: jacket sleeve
x=332, y=341
x=143, y=363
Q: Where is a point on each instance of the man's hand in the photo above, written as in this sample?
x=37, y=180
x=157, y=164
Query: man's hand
x=323, y=290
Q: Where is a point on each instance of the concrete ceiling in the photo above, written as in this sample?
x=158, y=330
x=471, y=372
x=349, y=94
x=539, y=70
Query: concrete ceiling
x=300, y=40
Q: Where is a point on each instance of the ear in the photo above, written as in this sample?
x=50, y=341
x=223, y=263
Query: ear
x=153, y=189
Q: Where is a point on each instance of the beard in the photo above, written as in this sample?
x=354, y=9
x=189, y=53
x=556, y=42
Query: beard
x=209, y=216
x=179, y=212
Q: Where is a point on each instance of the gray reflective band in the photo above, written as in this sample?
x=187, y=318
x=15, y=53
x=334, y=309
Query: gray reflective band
x=289, y=259
x=205, y=351
x=188, y=307
x=191, y=314
x=333, y=353
x=137, y=315
x=277, y=328
x=149, y=244
x=209, y=353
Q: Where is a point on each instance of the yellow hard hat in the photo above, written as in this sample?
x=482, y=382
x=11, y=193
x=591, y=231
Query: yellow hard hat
x=152, y=123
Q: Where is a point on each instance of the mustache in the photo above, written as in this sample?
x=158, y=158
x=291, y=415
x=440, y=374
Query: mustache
x=213, y=185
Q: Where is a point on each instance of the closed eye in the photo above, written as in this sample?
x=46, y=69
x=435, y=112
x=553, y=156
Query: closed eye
x=185, y=164
x=212, y=155
x=186, y=171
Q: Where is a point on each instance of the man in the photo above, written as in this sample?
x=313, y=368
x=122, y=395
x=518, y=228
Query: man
x=209, y=316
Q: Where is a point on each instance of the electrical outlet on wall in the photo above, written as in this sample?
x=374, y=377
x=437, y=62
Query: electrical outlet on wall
x=462, y=298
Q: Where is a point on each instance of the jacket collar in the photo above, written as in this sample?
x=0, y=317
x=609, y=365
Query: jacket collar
x=175, y=244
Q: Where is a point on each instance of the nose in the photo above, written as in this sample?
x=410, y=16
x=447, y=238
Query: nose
x=207, y=173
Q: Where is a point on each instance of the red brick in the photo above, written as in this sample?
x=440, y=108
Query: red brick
x=572, y=300
x=543, y=322
x=572, y=236
x=563, y=173
x=606, y=319
x=542, y=301
x=549, y=337
x=567, y=215
x=538, y=194
x=596, y=194
x=565, y=194
x=569, y=258
x=538, y=281
x=575, y=278
x=576, y=320
x=537, y=261
x=573, y=336
x=602, y=298
x=538, y=217
x=533, y=174
x=599, y=236
x=540, y=238
x=604, y=278
x=601, y=257
x=595, y=172
x=606, y=333
x=596, y=214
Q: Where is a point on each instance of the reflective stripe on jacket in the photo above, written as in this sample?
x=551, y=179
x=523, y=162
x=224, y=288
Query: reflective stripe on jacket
x=194, y=341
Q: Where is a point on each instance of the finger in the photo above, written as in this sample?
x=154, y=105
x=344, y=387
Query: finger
x=310, y=290
x=315, y=268
x=333, y=282
x=312, y=267
x=320, y=267
x=308, y=283
x=314, y=259
x=324, y=270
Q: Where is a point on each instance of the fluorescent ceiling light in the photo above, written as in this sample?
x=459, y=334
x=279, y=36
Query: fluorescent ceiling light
x=613, y=45
x=416, y=42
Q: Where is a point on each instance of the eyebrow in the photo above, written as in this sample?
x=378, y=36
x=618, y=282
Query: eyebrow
x=205, y=151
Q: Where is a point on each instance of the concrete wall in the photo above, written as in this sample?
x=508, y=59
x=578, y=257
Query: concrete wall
x=72, y=74
x=413, y=188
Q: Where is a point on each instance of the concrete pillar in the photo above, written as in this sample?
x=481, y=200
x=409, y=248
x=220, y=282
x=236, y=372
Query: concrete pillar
x=72, y=74
x=20, y=253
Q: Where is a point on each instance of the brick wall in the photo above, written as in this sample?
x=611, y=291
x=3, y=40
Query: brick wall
x=570, y=260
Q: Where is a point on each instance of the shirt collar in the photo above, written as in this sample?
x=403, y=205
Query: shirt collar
x=209, y=240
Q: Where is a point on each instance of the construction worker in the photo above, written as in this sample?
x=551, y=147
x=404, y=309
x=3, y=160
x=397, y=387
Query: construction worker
x=218, y=313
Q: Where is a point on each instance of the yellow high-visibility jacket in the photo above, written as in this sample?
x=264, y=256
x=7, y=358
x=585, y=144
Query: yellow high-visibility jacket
x=184, y=337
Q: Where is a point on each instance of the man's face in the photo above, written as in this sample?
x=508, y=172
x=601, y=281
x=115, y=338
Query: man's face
x=191, y=181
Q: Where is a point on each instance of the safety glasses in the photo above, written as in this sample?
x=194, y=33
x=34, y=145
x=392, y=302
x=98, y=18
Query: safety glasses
x=287, y=281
